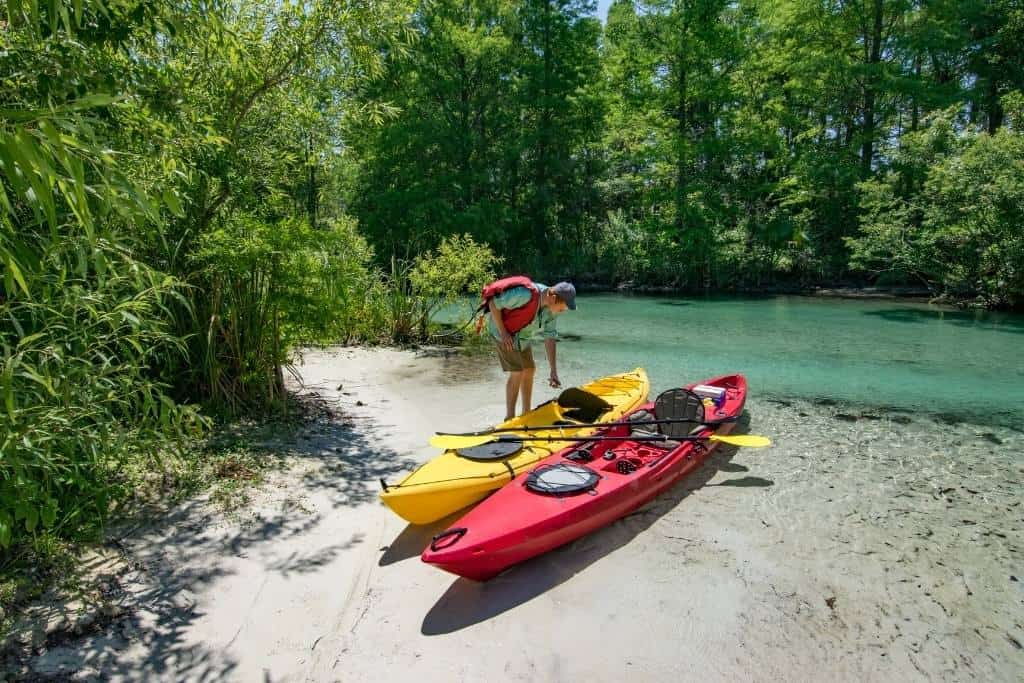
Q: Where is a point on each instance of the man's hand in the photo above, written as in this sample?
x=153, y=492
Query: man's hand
x=507, y=342
x=554, y=381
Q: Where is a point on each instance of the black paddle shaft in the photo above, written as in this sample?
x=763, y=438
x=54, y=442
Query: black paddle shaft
x=653, y=437
x=587, y=425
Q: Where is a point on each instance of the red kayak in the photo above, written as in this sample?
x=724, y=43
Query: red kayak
x=583, y=488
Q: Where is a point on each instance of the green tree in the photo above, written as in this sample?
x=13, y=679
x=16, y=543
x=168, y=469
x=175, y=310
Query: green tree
x=949, y=214
x=436, y=165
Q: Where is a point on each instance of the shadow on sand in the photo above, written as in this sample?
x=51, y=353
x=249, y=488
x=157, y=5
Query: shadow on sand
x=466, y=602
x=187, y=552
x=414, y=539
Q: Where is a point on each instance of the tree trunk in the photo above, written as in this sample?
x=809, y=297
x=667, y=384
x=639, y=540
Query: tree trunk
x=994, y=106
x=915, y=109
x=466, y=134
x=874, y=58
x=682, y=129
x=311, y=189
x=542, y=200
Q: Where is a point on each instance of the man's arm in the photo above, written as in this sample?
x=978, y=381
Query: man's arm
x=549, y=347
x=506, y=338
x=510, y=298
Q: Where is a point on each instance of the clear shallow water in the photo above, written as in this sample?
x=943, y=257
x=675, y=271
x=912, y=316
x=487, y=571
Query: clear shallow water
x=879, y=353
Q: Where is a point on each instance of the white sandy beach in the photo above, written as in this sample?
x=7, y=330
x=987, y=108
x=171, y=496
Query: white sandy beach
x=861, y=547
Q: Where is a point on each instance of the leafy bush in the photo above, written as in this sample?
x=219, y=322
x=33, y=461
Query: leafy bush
x=265, y=288
x=458, y=267
x=403, y=302
x=79, y=400
x=84, y=321
x=949, y=214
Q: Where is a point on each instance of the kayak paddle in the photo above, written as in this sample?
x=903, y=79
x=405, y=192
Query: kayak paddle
x=449, y=440
x=457, y=443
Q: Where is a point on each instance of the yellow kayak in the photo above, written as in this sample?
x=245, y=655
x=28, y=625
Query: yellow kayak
x=452, y=481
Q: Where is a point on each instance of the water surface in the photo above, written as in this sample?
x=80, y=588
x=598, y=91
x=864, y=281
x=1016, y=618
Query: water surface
x=912, y=357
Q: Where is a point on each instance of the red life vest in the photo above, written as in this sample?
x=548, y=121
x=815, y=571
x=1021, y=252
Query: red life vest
x=514, y=319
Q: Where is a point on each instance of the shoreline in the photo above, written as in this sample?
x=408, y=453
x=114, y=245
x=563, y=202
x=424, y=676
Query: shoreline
x=915, y=295
x=857, y=549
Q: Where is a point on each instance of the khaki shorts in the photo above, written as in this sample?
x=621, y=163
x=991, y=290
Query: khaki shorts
x=515, y=360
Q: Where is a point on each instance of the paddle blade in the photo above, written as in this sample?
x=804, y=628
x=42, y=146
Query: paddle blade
x=745, y=440
x=451, y=442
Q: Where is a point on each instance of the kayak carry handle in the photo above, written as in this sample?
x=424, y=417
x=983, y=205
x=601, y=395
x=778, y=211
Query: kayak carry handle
x=458, y=532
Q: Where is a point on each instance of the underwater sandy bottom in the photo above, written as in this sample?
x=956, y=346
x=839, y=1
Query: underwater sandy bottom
x=864, y=545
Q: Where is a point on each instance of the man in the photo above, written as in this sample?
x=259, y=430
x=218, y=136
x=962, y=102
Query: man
x=517, y=308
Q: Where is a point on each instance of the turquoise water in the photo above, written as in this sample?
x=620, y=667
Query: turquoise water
x=879, y=353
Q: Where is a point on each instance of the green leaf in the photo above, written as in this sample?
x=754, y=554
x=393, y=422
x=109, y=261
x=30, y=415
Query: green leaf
x=93, y=100
x=13, y=171
x=25, y=341
x=31, y=519
x=8, y=383
x=39, y=379
x=15, y=272
x=38, y=172
x=5, y=202
x=171, y=200
x=49, y=513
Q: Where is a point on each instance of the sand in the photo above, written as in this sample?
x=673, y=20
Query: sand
x=865, y=545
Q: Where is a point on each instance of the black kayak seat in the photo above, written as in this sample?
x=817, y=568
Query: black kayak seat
x=582, y=406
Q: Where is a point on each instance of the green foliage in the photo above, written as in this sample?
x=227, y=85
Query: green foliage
x=950, y=214
x=726, y=140
x=165, y=236
x=79, y=399
x=497, y=108
x=84, y=320
x=267, y=287
x=459, y=266
x=631, y=252
x=442, y=277
x=415, y=290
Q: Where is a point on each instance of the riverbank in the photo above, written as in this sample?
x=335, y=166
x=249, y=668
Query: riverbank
x=865, y=545
x=917, y=295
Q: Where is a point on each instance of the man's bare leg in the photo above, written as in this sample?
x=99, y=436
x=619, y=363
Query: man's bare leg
x=527, y=388
x=515, y=379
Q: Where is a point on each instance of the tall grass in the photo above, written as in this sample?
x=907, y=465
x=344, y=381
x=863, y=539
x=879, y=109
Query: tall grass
x=261, y=288
x=79, y=398
x=153, y=259
x=83, y=320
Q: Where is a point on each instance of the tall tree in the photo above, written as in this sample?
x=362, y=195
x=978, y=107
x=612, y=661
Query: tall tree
x=494, y=108
x=438, y=163
x=558, y=60
x=994, y=57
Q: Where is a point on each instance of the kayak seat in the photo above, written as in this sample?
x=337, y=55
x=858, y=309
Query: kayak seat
x=683, y=407
x=652, y=430
x=582, y=406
